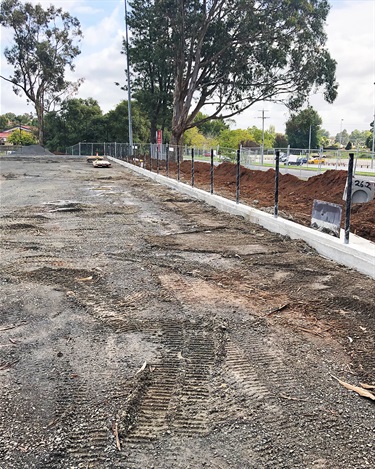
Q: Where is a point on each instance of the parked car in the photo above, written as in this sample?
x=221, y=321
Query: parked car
x=316, y=160
x=282, y=157
x=295, y=160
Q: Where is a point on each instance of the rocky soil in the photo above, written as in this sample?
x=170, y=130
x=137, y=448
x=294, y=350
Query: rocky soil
x=142, y=329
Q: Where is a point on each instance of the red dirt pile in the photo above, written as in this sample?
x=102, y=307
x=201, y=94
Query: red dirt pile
x=296, y=196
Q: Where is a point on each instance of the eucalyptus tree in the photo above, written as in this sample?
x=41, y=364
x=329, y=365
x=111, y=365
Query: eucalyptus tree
x=45, y=44
x=228, y=55
x=151, y=60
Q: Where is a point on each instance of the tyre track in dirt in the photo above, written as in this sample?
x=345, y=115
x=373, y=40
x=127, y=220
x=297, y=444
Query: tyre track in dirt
x=166, y=330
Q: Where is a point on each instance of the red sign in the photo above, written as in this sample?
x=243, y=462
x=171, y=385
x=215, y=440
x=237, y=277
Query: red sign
x=159, y=136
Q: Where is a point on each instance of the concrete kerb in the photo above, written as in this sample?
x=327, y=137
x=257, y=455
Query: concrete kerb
x=359, y=254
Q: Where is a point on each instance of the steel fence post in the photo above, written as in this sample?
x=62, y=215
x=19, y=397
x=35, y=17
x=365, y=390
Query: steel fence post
x=349, y=197
x=276, y=208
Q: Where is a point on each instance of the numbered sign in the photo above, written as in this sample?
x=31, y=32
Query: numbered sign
x=362, y=190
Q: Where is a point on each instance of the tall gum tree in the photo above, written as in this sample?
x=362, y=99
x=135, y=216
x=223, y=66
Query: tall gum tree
x=44, y=48
x=230, y=54
x=152, y=66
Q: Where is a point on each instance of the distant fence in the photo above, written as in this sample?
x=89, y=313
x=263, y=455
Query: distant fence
x=9, y=149
x=249, y=157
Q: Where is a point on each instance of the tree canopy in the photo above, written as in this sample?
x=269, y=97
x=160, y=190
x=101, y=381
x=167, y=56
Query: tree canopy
x=299, y=126
x=82, y=120
x=342, y=137
x=149, y=55
x=44, y=47
x=230, y=54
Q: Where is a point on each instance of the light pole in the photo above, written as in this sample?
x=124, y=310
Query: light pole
x=373, y=139
x=341, y=133
x=128, y=75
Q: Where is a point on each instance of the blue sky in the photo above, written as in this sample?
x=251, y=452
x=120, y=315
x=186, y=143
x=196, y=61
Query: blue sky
x=351, y=41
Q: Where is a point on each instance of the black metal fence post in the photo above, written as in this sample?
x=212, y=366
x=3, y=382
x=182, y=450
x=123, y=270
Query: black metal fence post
x=238, y=176
x=178, y=163
x=167, y=160
x=192, y=167
x=277, y=169
x=349, y=197
x=212, y=172
x=157, y=159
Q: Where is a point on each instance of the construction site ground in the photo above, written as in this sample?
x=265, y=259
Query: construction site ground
x=140, y=328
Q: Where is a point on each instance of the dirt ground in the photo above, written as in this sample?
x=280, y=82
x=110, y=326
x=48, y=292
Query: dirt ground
x=142, y=329
x=296, y=196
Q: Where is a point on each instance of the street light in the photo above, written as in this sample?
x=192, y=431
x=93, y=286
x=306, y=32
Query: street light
x=128, y=75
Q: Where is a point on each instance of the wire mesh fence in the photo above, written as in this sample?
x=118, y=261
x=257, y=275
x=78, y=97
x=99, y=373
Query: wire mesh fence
x=249, y=156
x=184, y=163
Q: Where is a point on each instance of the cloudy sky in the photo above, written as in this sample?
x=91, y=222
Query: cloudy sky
x=351, y=41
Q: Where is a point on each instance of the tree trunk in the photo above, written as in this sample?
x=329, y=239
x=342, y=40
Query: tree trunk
x=153, y=130
x=39, y=113
x=178, y=121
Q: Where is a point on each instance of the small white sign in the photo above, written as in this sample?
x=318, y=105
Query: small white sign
x=362, y=190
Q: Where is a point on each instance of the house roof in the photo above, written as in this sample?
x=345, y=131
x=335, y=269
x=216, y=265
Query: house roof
x=26, y=128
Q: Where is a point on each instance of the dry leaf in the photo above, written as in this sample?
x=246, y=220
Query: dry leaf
x=362, y=392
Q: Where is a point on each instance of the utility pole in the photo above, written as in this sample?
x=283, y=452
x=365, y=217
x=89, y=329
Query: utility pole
x=263, y=117
x=128, y=76
x=341, y=133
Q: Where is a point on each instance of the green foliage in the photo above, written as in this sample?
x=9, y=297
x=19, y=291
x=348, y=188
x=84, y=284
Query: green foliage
x=151, y=63
x=82, y=120
x=78, y=120
x=9, y=120
x=22, y=137
x=359, y=137
x=370, y=137
x=298, y=129
x=281, y=141
x=210, y=128
x=193, y=138
x=3, y=122
x=43, y=48
x=117, y=124
x=231, y=54
x=257, y=137
x=234, y=138
x=342, y=137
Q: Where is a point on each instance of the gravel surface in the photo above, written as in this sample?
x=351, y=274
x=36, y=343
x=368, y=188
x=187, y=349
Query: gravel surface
x=143, y=329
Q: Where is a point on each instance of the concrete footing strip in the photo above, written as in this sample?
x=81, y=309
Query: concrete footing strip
x=359, y=254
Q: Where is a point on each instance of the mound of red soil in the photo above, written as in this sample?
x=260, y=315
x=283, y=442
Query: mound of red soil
x=296, y=196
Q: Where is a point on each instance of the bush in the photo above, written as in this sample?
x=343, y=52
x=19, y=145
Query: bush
x=22, y=138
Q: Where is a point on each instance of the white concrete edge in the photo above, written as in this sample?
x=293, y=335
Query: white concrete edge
x=359, y=254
